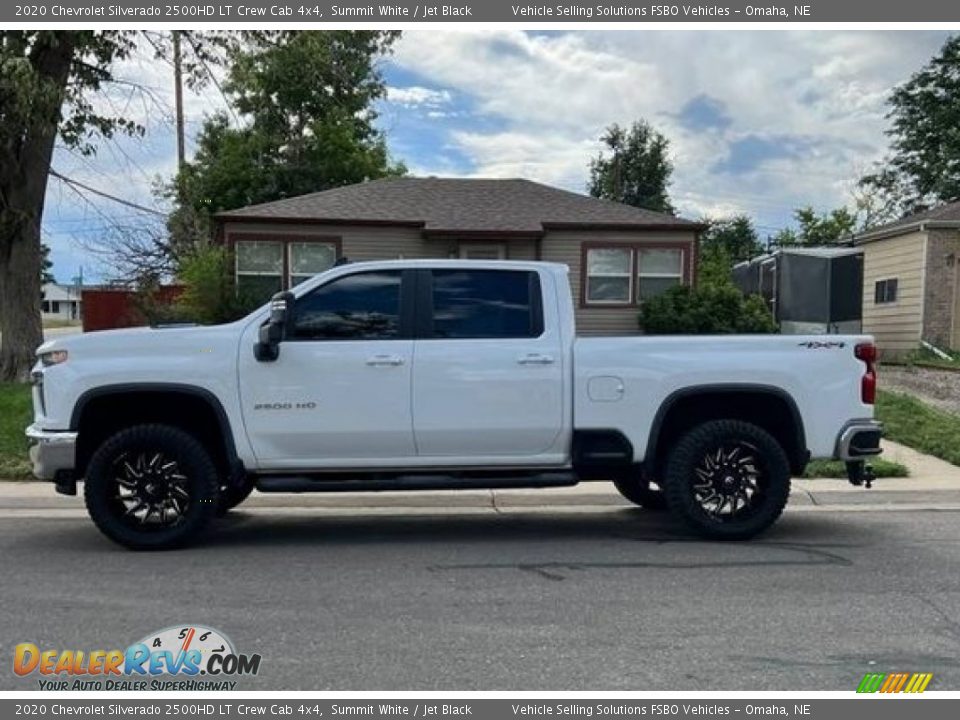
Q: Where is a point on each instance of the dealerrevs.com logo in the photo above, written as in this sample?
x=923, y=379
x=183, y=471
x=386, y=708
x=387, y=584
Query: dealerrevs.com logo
x=181, y=657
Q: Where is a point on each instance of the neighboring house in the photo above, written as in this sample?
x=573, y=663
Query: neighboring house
x=617, y=254
x=911, y=281
x=60, y=302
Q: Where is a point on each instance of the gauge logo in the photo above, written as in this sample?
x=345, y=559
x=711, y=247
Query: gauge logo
x=185, y=650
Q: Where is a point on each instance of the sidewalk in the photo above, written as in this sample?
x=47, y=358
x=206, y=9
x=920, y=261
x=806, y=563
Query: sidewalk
x=934, y=485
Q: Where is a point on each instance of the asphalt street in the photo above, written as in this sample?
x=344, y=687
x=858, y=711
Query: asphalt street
x=599, y=598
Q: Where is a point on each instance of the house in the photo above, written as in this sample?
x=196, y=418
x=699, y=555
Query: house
x=911, y=281
x=60, y=302
x=618, y=255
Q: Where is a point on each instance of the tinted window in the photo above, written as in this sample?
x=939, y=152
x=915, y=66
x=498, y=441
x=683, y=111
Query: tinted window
x=364, y=306
x=486, y=304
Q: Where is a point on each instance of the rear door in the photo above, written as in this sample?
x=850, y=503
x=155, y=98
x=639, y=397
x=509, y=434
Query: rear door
x=488, y=372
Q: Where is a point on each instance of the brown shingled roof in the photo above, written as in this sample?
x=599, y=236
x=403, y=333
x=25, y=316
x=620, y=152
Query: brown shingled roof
x=448, y=205
x=949, y=213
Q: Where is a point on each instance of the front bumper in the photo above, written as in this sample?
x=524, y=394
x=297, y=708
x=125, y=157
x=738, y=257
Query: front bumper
x=52, y=452
x=859, y=440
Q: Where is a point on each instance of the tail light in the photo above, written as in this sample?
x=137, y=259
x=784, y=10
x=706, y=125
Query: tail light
x=867, y=353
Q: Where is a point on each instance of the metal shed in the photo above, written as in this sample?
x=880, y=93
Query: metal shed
x=809, y=290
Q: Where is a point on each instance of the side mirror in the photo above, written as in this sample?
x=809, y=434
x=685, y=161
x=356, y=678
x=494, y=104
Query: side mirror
x=275, y=329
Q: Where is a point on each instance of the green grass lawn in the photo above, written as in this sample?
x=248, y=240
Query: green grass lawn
x=926, y=429
x=836, y=469
x=15, y=415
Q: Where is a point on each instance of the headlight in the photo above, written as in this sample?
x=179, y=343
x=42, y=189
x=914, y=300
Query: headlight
x=54, y=357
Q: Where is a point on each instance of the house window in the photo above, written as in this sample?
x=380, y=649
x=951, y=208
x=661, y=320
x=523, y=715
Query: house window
x=259, y=268
x=885, y=291
x=630, y=275
x=309, y=258
x=45, y=306
x=265, y=267
x=609, y=276
x=658, y=270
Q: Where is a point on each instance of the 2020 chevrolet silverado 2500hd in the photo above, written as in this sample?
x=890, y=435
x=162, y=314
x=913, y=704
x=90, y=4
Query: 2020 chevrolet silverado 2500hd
x=439, y=374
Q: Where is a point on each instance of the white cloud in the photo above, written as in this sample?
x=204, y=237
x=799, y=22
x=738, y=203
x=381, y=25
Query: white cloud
x=552, y=95
x=415, y=95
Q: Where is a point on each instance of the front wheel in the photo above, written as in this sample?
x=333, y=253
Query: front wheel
x=727, y=480
x=151, y=487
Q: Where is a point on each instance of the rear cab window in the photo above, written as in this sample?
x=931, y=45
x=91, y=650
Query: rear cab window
x=470, y=304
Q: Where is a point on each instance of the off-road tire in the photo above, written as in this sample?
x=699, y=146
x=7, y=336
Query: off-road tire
x=691, y=451
x=194, y=465
x=640, y=492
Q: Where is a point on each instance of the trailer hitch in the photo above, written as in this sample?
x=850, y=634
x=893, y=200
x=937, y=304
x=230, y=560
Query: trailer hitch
x=860, y=473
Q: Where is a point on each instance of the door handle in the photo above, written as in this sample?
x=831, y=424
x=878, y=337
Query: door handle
x=535, y=359
x=384, y=361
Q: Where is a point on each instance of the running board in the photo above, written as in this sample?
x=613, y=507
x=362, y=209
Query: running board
x=319, y=483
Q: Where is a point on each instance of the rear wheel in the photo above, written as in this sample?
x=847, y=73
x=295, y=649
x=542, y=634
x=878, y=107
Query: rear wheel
x=151, y=487
x=641, y=492
x=727, y=479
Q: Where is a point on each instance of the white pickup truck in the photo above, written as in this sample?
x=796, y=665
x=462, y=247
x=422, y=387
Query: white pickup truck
x=440, y=374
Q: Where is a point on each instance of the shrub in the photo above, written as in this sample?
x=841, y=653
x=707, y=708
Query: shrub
x=708, y=310
x=209, y=293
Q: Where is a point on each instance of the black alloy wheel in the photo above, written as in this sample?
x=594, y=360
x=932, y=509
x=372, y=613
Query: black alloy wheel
x=151, y=487
x=727, y=479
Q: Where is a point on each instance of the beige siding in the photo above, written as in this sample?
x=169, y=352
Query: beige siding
x=522, y=250
x=366, y=242
x=897, y=325
x=357, y=242
x=566, y=247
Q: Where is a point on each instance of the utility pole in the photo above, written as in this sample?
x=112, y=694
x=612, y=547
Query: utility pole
x=178, y=97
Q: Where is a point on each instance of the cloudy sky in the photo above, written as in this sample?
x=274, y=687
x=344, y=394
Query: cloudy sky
x=759, y=122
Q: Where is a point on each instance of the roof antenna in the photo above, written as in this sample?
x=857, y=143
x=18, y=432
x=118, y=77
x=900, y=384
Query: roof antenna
x=343, y=260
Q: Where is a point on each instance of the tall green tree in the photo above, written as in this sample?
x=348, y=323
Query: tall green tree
x=634, y=168
x=725, y=242
x=304, y=101
x=46, y=82
x=814, y=229
x=923, y=167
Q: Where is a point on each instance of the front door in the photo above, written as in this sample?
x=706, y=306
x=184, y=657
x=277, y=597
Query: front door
x=339, y=393
x=488, y=372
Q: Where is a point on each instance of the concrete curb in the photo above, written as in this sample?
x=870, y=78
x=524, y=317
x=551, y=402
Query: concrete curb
x=808, y=494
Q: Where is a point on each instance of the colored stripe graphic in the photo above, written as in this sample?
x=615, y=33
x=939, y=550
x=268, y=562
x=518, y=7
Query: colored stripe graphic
x=918, y=683
x=871, y=683
x=894, y=682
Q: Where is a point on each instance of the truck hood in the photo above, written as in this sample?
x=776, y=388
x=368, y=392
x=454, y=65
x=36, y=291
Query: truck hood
x=128, y=342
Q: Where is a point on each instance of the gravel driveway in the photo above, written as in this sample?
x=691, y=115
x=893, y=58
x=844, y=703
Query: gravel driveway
x=940, y=388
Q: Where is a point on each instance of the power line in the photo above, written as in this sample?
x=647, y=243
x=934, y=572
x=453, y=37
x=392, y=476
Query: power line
x=77, y=184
